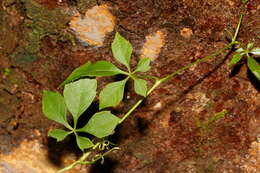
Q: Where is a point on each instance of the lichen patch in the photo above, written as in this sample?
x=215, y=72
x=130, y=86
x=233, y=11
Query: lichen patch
x=92, y=28
x=153, y=44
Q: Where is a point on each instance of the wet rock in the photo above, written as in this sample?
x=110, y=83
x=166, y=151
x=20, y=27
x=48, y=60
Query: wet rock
x=153, y=44
x=92, y=28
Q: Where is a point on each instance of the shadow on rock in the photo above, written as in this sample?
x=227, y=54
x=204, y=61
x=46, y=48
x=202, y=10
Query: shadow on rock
x=107, y=167
x=56, y=150
x=254, y=81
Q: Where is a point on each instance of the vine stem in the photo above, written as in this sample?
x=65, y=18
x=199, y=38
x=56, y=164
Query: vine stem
x=84, y=156
x=164, y=79
x=157, y=83
x=81, y=159
x=160, y=81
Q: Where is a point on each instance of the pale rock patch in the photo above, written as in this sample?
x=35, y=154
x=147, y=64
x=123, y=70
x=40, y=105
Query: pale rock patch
x=92, y=28
x=153, y=44
x=200, y=101
x=32, y=157
x=186, y=32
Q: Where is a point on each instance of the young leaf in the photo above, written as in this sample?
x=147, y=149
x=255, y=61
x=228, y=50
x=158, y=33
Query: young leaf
x=53, y=107
x=255, y=51
x=122, y=50
x=103, y=68
x=84, y=142
x=101, y=124
x=244, y=1
x=250, y=45
x=140, y=86
x=143, y=65
x=79, y=95
x=240, y=50
x=254, y=66
x=112, y=94
x=77, y=73
x=217, y=116
x=58, y=134
x=235, y=59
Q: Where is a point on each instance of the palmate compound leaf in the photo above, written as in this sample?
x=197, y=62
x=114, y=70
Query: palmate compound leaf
x=99, y=68
x=83, y=142
x=101, y=124
x=235, y=59
x=143, y=65
x=140, y=86
x=59, y=134
x=122, y=50
x=254, y=67
x=53, y=107
x=79, y=95
x=112, y=94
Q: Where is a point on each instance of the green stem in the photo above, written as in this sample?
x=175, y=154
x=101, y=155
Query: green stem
x=130, y=111
x=238, y=27
x=82, y=158
x=85, y=155
x=100, y=156
x=158, y=82
x=218, y=52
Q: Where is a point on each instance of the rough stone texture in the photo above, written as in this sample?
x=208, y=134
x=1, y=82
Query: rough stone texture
x=162, y=135
x=252, y=160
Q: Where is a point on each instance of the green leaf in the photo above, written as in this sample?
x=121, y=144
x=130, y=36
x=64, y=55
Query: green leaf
x=53, y=107
x=244, y=1
x=255, y=51
x=217, y=116
x=100, y=68
x=235, y=59
x=101, y=124
x=103, y=68
x=122, y=50
x=254, y=67
x=112, y=94
x=84, y=142
x=77, y=73
x=59, y=134
x=240, y=50
x=250, y=46
x=143, y=65
x=140, y=86
x=79, y=95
